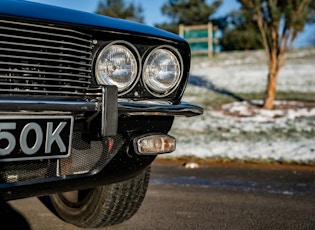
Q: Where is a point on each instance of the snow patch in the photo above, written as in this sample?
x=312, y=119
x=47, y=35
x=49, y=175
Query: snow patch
x=241, y=130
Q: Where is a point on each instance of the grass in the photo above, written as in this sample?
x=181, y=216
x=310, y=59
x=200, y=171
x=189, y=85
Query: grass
x=214, y=99
x=295, y=96
x=206, y=133
x=216, y=95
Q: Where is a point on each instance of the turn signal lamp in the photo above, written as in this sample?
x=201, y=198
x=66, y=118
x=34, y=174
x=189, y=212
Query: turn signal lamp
x=154, y=144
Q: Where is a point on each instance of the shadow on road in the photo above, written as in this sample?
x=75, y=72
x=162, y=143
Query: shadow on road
x=11, y=219
x=200, y=82
x=47, y=202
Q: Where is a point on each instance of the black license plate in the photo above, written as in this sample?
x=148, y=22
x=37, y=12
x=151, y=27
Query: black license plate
x=35, y=137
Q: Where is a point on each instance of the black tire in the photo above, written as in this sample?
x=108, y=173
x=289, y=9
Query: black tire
x=102, y=206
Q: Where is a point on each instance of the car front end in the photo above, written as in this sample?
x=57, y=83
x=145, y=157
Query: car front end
x=85, y=100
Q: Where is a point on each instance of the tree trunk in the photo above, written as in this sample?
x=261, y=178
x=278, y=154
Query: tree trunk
x=271, y=85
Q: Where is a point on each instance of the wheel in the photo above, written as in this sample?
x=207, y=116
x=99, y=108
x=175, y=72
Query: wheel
x=102, y=206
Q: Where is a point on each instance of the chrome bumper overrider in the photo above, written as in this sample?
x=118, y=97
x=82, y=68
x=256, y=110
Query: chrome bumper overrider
x=158, y=108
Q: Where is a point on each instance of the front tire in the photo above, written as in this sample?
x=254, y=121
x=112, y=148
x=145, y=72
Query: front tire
x=102, y=206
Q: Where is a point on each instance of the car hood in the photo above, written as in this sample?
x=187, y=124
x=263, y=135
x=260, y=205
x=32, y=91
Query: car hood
x=34, y=10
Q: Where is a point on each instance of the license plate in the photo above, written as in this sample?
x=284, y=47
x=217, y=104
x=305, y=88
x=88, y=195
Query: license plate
x=36, y=137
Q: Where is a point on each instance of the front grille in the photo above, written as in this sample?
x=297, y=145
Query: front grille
x=37, y=60
x=84, y=159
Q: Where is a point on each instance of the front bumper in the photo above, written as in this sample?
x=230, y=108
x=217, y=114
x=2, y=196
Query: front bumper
x=125, y=107
x=122, y=121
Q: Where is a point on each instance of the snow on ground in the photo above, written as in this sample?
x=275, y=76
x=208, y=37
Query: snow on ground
x=280, y=135
x=249, y=74
x=240, y=130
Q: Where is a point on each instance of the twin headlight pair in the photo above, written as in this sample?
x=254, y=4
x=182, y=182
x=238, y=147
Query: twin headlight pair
x=119, y=64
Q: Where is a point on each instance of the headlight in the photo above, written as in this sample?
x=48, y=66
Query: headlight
x=162, y=72
x=116, y=65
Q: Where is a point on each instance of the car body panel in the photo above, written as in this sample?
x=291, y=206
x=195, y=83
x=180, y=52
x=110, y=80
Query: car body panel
x=33, y=10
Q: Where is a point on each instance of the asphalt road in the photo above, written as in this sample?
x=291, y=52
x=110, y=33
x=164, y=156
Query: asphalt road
x=212, y=197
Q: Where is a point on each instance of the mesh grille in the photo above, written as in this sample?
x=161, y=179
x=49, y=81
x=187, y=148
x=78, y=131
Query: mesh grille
x=25, y=171
x=43, y=60
x=84, y=158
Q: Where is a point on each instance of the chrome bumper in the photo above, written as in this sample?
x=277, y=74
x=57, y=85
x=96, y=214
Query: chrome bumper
x=110, y=109
x=157, y=108
x=125, y=107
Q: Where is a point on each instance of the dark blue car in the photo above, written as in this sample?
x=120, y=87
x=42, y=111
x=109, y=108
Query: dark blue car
x=86, y=104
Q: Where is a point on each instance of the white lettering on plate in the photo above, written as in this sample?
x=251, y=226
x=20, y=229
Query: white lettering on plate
x=38, y=141
x=7, y=136
x=54, y=136
x=8, y=140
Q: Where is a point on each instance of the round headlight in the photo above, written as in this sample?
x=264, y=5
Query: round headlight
x=161, y=72
x=116, y=65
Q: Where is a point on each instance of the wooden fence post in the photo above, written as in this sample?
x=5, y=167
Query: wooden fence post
x=181, y=30
x=210, y=40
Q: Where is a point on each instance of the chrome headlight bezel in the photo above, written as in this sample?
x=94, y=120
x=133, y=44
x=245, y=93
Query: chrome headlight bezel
x=133, y=54
x=149, y=81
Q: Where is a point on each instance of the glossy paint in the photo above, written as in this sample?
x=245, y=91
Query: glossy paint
x=40, y=11
x=135, y=119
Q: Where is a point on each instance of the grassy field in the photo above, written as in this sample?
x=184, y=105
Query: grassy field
x=247, y=63
x=215, y=99
x=234, y=77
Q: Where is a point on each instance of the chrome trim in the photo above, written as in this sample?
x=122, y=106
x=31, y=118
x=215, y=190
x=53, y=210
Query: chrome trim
x=157, y=108
x=134, y=52
x=62, y=55
x=45, y=60
x=125, y=107
x=137, y=140
x=103, y=111
x=109, y=111
x=180, y=60
x=42, y=105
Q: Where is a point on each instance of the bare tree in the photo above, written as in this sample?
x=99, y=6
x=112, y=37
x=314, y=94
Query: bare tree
x=279, y=22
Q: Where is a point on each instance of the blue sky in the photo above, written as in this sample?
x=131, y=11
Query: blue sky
x=152, y=9
x=153, y=15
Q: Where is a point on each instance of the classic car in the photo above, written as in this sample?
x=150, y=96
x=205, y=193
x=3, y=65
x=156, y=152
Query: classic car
x=86, y=104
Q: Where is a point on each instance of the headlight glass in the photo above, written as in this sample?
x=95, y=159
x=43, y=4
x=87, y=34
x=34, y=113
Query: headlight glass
x=161, y=72
x=116, y=65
